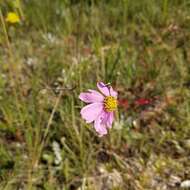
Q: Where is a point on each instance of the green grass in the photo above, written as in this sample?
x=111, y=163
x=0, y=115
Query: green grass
x=141, y=47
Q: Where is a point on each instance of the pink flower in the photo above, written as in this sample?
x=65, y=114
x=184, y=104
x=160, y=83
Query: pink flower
x=101, y=107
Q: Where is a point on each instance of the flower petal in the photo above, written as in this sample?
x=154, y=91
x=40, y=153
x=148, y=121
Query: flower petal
x=91, y=111
x=104, y=116
x=103, y=88
x=99, y=126
x=110, y=119
x=91, y=96
x=113, y=92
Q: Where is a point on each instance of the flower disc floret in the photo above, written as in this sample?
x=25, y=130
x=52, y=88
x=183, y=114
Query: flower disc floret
x=110, y=103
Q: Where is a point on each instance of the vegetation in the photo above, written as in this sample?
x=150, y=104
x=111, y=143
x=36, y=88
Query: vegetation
x=60, y=48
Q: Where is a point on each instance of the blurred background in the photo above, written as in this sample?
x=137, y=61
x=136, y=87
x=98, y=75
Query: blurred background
x=50, y=51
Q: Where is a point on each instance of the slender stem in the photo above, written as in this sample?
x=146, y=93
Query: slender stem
x=5, y=32
x=13, y=78
x=44, y=138
x=51, y=117
x=165, y=9
x=20, y=10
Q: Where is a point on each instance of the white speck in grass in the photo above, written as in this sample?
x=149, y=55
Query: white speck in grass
x=64, y=75
x=63, y=72
x=43, y=91
x=18, y=145
x=49, y=37
x=135, y=123
x=31, y=61
x=129, y=120
x=118, y=124
x=185, y=184
x=75, y=60
x=57, y=152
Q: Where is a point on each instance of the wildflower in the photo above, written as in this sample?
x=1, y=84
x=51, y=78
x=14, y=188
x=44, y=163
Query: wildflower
x=142, y=101
x=12, y=18
x=101, y=108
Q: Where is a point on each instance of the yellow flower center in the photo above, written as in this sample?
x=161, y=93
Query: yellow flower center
x=110, y=103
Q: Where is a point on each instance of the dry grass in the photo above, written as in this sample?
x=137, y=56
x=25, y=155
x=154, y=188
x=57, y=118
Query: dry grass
x=61, y=48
